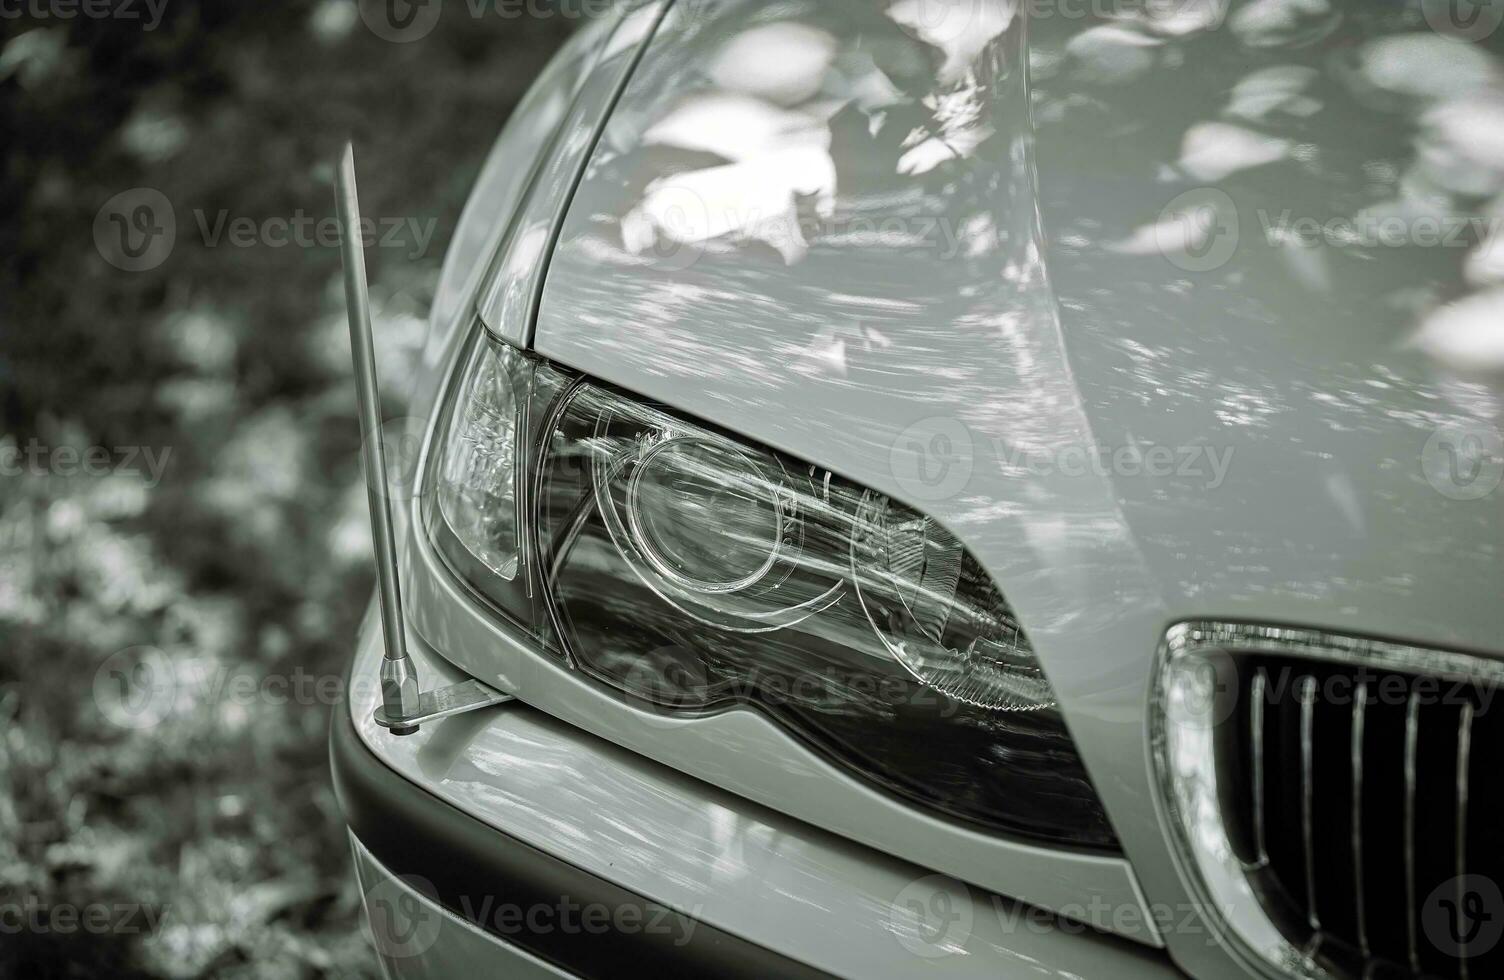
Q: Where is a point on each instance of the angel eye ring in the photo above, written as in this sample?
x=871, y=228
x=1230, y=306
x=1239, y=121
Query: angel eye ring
x=713, y=530
x=704, y=515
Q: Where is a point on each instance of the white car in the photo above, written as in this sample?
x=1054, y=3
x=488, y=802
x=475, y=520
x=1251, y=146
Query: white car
x=958, y=487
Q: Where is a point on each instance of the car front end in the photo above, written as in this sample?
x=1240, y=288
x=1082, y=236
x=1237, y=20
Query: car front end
x=917, y=534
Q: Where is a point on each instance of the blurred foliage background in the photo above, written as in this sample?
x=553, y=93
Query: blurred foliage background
x=251, y=555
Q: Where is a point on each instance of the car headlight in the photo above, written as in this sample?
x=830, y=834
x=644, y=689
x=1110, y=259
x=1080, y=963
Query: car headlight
x=694, y=572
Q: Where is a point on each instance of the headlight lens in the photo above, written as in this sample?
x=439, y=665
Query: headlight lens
x=695, y=573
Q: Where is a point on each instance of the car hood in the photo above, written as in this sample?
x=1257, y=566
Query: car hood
x=1106, y=347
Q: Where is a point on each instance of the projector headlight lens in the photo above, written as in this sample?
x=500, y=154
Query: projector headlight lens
x=694, y=572
x=704, y=515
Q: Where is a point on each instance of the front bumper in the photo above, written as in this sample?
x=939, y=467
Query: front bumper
x=416, y=850
x=547, y=848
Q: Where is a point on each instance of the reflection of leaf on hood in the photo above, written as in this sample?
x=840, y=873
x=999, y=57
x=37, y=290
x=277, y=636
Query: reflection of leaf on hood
x=1284, y=23
x=1212, y=151
x=961, y=30
x=1111, y=55
x=1467, y=336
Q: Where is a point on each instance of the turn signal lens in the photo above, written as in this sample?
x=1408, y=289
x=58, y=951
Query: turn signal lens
x=477, y=485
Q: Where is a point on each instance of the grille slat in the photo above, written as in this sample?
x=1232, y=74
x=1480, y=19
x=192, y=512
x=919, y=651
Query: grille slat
x=1412, y=743
x=1464, y=762
x=1360, y=904
x=1308, y=795
x=1256, y=741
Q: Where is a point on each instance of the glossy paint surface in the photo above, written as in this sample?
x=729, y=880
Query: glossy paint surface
x=525, y=141
x=508, y=299
x=440, y=944
x=872, y=241
x=712, y=855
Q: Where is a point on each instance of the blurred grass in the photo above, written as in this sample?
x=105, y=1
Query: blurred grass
x=251, y=556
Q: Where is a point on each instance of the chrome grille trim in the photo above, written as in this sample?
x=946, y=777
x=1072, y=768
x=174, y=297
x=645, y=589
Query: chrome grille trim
x=1282, y=746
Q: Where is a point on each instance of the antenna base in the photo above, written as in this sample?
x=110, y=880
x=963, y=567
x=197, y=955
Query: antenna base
x=441, y=703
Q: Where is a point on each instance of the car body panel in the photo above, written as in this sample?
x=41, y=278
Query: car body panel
x=508, y=298
x=1013, y=311
x=439, y=944
x=773, y=880
x=527, y=139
